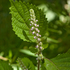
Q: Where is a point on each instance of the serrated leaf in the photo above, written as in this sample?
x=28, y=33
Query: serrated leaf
x=28, y=64
x=5, y=66
x=20, y=20
x=49, y=65
x=43, y=67
x=62, y=61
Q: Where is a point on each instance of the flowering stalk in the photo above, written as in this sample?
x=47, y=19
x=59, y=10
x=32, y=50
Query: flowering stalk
x=36, y=32
x=22, y=64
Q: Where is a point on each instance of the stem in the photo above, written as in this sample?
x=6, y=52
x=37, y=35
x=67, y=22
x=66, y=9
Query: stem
x=39, y=52
x=37, y=36
x=38, y=64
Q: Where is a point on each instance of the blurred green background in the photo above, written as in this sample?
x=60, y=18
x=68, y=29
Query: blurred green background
x=57, y=13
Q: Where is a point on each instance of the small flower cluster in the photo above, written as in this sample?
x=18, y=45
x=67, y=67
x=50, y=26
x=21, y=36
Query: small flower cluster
x=34, y=29
x=21, y=64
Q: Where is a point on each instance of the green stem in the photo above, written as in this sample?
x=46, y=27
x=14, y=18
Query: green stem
x=38, y=64
x=39, y=52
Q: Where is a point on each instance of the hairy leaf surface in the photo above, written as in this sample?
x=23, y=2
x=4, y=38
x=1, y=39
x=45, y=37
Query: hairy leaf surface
x=62, y=61
x=5, y=66
x=21, y=23
x=50, y=65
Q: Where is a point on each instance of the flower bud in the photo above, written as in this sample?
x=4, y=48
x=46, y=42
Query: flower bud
x=37, y=46
x=34, y=37
x=40, y=43
x=37, y=25
x=37, y=30
x=40, y=47
x=36, y=20
x=32, y=28
x=39, y=39
x=33, y=32
x=32, y=22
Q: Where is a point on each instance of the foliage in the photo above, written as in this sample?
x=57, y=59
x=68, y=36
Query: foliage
x=5, y=66
x=55, y=39
x=62, y=61
x=20, y=20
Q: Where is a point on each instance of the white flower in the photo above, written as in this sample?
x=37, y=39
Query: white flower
x=39, y=35
x=37, y=30
x=34, y=37
x=37, y=46
x=40, y=47
x=32, y=28
x=37, y=25
x=33, y=32
x=32, y=22
x=36, y=20
x=39, y=39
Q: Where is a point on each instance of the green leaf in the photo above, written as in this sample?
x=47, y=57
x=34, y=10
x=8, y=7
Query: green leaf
x=32, y=49
x=28, y=52
x=62, y=61
x=5, y=66
x=52, y=40
x=28, y=64
x=50, y=65
x=21, y=23
x=43, y=67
